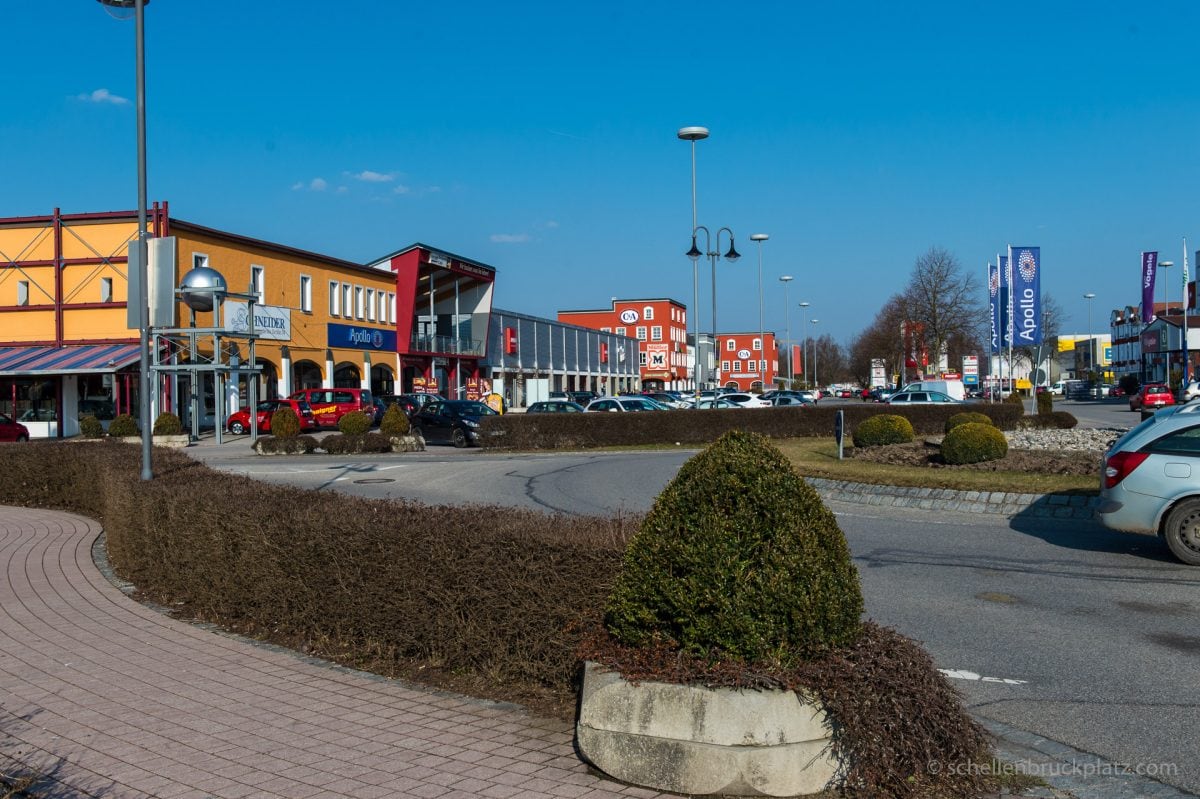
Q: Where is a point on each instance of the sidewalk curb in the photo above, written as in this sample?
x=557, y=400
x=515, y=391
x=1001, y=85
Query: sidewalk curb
x=1045, y=506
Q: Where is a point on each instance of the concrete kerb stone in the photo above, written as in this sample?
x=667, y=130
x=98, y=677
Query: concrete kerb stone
x=1058, y=506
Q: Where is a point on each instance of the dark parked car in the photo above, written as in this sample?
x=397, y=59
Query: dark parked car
x=239, y=421
x=578, y=397
x=456, y=421
x=555, y=406
x=11, y=430
x=411, y=403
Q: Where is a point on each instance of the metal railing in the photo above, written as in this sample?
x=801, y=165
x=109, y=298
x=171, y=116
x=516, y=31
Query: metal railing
x=447, y=344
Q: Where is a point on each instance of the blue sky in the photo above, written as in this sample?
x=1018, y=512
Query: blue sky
x=540, y=138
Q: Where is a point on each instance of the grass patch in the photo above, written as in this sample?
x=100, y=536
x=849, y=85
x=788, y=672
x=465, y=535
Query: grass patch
x=817, y=457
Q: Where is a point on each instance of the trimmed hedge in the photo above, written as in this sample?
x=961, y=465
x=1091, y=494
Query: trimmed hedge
x=123, y=426
x=685, y=427
x=354, y=423
x=965, y=418
x=285, y=423
x=973, y=443
x=1058, y=420
x=395, y=422
x=167, y=424
x=90, y=427
x=1045, y=403
x=883, y=429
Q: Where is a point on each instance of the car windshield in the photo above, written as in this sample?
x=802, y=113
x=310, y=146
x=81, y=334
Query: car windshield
x=472, y=408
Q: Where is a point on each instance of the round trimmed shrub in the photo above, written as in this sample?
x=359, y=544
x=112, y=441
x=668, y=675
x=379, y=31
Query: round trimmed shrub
x=1063, y=420
x=395, y=422
x=967, y=417
x=123, y=426
x=285, y=423
x=355, y=423
x=1015, y=399
x=881, y=429
x=974, y=443
x=168, y=424
x=90, y=427
x=738, y=559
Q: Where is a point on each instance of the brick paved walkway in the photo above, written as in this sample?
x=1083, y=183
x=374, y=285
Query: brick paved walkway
x=132, y=703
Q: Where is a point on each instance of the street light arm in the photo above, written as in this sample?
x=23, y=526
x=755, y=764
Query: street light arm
x=733, y=254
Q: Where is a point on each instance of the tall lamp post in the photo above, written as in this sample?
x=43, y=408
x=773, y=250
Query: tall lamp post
x=762, y=341
x=140, y=246
x=804, y=347
x=787, y=316
x=714, y=255
x=694, y=134
x=814, y=346
x=1089, y=296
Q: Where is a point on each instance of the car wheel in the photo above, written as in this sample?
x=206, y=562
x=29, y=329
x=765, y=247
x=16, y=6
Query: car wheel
x=458, y=438
x=415, y=430
x=1182, y=531
x=22, y=438
x=237, y=428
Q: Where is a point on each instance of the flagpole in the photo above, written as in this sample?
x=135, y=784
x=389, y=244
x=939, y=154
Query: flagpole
x=991, y=322
x=1185, y=310
x=1008, y=271
x=1003, y=314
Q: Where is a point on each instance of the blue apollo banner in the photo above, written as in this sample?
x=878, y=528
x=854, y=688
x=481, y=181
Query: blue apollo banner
x=993, y=283
x=1025, y=264
x=1005, y=302
x=1149, y=268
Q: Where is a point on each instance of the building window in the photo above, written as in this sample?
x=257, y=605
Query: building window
x=641, y=333
x=620, y=331
x=23, y=292
x=306, y=294
x=334, y=293
x=757, y=345
x=606, y=330
x=641, y=359
x=383, y=306
x=729, y=345
x=656, y=333
x=391, y=307
x=199, y=260
x=358, y=302
x=370, y=305
x=648, y=313
x=724, y=366
x=106, y=289
x=762, y=367
x=683, y=318
x=347, y=300
x=737, y=366
x=258, y=281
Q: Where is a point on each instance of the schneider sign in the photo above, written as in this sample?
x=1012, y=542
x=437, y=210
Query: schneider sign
x=270, y=321
x=361, y=338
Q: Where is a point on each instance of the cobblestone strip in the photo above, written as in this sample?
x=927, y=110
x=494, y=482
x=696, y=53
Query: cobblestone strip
x=1049, y=506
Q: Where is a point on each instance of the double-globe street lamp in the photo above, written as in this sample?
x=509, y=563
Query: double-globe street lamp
x=804, y=347
x=693, y=134
x=787, y=320
x=762, y=340
x=142, y=277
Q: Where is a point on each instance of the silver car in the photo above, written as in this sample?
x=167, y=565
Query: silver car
x=921, y=398
x=1150, y=481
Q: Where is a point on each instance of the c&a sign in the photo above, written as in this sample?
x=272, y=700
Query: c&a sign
x=360, y=338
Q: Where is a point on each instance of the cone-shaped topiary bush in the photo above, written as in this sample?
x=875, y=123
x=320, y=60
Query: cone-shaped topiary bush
x=123, y=426
x=355, y=423
x=966, y=418
x=738, y=558
x=881, y=429
x=974, y=443
x=1045, y=403
x=167, y=424
x=285, y=423
x=90, y=427
x=395, y=422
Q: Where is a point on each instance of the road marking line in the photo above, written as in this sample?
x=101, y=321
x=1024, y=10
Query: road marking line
x=961, y=674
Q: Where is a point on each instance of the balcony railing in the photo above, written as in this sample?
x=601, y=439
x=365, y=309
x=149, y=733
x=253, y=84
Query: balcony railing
x=447, y=344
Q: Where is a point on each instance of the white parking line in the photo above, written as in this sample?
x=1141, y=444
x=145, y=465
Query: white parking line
x=961, y=674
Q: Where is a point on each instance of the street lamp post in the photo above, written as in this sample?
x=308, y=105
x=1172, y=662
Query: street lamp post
x=694, y=134
x=804, y=347
x=815, y=384
x=714, y=255
x=140, y=245
x=787, y=315
x=1089, y=296
x=762, y=340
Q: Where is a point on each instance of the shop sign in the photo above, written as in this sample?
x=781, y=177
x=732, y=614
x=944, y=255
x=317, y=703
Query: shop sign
x=510, y=341
x=629, y=316
x=603, y=352
x=744, y=354
x=437, y=259
x=656, y=356
x=270, y=321
x=360, y=338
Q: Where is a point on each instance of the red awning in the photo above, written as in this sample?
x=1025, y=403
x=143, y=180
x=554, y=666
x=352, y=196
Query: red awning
x=77, y=359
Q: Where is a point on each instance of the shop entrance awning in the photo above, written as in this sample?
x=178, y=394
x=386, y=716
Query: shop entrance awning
x=71, y=360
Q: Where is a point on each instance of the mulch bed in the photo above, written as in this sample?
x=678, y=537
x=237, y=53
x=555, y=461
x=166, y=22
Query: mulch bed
x=920, y=453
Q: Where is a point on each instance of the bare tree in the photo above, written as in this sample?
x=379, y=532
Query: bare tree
x=880, y=341
x=942, y=298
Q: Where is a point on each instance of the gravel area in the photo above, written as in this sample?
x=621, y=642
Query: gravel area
x=1073, y=440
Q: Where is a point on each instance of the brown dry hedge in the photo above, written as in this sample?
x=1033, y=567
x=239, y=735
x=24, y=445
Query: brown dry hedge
x=486, y=600
x=585, y=430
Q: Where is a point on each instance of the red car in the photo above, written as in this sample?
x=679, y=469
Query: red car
x=239, y=422
x=1152, y=395
x=11, y=430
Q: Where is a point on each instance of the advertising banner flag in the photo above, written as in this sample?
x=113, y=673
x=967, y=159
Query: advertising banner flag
x=1005, y=302
x=993, y=284
x=1026, y=269
x=1149, y=268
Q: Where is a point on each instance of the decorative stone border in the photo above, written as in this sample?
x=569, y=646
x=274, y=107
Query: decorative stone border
x=697, y=740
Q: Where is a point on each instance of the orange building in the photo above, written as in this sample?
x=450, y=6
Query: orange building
x=659, y=325
x=747, y=362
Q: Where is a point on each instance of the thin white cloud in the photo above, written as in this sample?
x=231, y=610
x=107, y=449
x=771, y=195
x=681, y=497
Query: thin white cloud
x=551, y=224
x=367, y=176
x=318, y=184
x=103, y=96
x=510, y=238
x=342, y=190
x=401, y=189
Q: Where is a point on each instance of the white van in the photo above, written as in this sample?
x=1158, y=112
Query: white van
x=951, y=388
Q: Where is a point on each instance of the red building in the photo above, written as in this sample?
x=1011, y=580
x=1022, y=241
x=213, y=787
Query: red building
x=747, y=364
x=659, y=325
